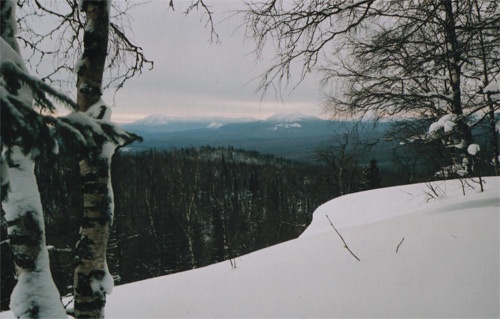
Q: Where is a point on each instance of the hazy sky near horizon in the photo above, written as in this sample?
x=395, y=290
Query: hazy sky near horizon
x=194, y=77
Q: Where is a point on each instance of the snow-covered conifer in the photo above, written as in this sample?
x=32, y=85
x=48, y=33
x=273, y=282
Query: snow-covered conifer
x=35, y=294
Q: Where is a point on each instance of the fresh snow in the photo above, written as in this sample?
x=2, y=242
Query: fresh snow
x=290, y=117
x=492, y=87
x=447, y=122
x=288, y=120
x=473, y=149
x=421, y=255
x=8, y=54
x=447, y=264
x=105, y=285
x=284, y=125
x=215, y=125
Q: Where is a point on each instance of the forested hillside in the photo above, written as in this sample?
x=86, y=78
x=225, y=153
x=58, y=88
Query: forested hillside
x=193, y=207
x=182, y=209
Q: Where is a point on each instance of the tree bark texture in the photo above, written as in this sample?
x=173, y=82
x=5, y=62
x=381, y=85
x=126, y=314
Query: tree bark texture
x=454, y=52
x=90, y=68
x=91, y=269
x=92, y=280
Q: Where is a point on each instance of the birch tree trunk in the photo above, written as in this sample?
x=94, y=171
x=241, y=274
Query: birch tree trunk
x=92, y=280
x=35, y=294
x=90, y=68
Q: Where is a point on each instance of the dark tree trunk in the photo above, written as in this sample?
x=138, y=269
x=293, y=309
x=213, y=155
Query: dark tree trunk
x=454, y=52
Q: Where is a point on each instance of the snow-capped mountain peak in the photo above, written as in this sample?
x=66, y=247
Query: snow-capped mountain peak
x=154, y=120
x=215, y=125
x=290, y=117
x=288, y=120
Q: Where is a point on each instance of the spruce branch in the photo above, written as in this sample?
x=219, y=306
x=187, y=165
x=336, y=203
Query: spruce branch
x=39, y=88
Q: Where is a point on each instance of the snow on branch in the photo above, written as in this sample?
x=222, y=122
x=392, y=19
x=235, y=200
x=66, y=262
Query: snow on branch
x=492, y=88
x=23, y=126
x=10, y=70
x=91, y=133
x=447, y=123
x=36, y=132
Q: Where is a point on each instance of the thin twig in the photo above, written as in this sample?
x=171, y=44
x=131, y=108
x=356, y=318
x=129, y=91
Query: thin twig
x=345, y=244
x=397, y=248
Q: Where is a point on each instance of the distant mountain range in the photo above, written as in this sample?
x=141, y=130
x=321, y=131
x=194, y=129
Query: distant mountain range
x=291, y=135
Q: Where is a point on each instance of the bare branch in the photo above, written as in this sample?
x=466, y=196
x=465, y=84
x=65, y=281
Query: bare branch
x=397, y=248
x=300, y=31
x=342, y=238
x=196, y=5
x=125, y=59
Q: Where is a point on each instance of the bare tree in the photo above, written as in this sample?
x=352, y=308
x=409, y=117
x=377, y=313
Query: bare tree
x=420, y=60
x=125, y=58
x=343, y=157
x=412, y=57
x=300, y=30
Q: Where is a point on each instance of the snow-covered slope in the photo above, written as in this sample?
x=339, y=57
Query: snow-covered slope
x=419, y=257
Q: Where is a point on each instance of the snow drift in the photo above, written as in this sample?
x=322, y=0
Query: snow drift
x=425, y=251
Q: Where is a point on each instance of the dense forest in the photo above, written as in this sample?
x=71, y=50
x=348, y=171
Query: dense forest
x=194, y=207
x=181, y=209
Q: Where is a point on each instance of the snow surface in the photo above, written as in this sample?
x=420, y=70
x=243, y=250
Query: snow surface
x=421, y=255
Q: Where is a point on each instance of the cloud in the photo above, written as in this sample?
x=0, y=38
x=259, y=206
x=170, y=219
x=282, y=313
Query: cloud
x=193, y=76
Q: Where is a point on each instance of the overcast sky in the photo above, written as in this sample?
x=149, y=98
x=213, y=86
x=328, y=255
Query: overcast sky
x=194, y=77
